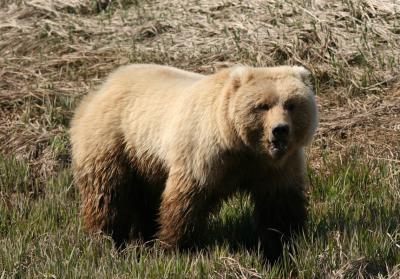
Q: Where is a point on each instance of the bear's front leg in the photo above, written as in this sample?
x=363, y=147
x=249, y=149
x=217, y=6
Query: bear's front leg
x=183, y=212
x=279, y=215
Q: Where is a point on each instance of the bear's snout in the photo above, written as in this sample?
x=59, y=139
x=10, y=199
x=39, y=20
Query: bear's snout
x=279, y=139
x=280, y=131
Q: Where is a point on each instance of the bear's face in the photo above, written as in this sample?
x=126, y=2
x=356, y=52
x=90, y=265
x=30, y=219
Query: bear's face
x=273, y=110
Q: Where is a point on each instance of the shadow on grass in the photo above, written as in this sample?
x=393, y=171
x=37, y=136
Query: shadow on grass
x=234, y=227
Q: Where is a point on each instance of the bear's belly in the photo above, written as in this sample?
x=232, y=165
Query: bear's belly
x=149, y=168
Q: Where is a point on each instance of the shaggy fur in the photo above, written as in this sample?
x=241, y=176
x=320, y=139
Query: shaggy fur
x=157, y=148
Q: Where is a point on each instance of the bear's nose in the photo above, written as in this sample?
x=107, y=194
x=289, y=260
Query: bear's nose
x=280, y=130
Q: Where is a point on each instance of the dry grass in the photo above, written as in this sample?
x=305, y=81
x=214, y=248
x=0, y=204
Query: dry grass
x=54, y=52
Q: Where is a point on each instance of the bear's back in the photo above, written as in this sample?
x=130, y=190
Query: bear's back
x=133, y=105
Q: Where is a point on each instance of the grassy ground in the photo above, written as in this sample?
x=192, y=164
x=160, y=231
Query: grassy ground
x=54, y=52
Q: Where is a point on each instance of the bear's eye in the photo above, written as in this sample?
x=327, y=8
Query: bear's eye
x=290, y=107
x=263, y=107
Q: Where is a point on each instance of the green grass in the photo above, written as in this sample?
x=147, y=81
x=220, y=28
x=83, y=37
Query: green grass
x=353, y=227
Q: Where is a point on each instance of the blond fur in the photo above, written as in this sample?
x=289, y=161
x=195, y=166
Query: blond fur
x=189, y=141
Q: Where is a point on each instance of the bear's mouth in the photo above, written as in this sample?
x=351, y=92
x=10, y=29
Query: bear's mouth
x=278, y=147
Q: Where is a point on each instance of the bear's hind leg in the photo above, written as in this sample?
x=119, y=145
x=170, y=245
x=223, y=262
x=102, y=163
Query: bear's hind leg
x=113, y=199
x=146, y=205
x=121, y=216
x=136, y=208
x=106, y=189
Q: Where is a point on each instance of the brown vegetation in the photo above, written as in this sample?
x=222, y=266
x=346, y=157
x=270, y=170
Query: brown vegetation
x=53, y=52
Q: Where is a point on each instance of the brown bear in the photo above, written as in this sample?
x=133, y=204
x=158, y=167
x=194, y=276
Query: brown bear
x=157, y=148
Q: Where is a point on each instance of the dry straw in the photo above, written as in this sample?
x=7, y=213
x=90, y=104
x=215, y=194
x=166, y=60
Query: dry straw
x=53, y=52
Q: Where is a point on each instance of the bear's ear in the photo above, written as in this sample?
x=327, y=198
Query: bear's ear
x=239, y=76
x=304, y=74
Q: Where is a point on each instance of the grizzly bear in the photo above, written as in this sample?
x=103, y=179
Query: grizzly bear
x=157, y=148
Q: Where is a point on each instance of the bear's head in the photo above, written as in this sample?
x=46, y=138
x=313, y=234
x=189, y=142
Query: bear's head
x=272, y=110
